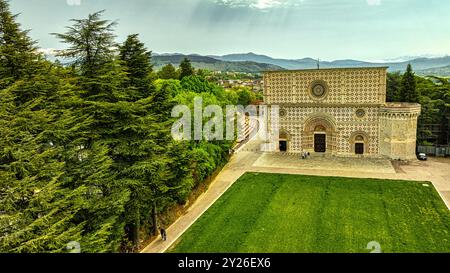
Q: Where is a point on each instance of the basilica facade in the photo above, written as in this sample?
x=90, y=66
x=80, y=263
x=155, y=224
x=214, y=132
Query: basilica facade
x=341, y=112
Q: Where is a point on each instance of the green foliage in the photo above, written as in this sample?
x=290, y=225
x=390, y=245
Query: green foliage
x=408, y=90
x=168, y=72
x=394, y=81
x=17, y=50
x=137, y=62
x=197, y=84
x=91, y=43
x=38, y=212
x=434, y=96
x=245, y=95
x=86, y=152
x=435, y=101
x=186, y=68
x=172, y=86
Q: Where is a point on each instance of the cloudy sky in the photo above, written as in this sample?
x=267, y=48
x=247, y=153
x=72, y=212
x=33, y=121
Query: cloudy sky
x=326, y=29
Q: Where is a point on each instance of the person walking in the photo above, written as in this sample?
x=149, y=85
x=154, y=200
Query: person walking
x=163, y=234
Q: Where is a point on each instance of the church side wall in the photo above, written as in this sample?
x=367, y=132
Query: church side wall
x=398, y=132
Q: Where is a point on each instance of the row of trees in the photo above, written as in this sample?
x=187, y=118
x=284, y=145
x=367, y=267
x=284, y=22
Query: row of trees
x=170, y=72
x=402, y=88
x=433, y=93
x=86, y=153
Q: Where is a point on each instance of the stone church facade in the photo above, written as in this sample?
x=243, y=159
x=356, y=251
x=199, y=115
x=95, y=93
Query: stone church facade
x=341, y=112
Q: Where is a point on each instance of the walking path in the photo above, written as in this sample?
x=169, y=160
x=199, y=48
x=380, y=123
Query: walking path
x=238, y=165
x=435, y=170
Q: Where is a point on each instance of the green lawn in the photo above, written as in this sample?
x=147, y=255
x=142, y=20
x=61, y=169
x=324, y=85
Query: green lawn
x=267, y=213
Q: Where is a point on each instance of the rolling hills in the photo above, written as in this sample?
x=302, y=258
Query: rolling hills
x=205, y=62
x=254, y=63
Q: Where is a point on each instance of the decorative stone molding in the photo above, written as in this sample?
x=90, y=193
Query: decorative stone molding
x=359, y=137
x=387, y=129
x=318, y=90
x=400, y=110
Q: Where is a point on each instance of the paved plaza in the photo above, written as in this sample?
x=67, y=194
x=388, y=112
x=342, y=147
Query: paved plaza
x=294, y=161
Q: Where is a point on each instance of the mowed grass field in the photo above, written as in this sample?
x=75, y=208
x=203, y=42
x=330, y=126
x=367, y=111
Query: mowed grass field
x=274, y=213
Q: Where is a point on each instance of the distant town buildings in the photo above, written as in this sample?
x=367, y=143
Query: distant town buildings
x=230, y=80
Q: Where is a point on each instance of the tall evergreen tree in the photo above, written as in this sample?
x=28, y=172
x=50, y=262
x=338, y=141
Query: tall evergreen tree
x=37, y=210
x=394, y=81
x=137, y=61
x=17, y=50
x=90, y=152
x=86, y=152
x=91, y=44
x=124, y=140
x=186, y=68
x=408, y=90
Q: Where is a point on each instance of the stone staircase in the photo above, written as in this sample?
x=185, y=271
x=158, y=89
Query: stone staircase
x=252, y=146
x=248, y=144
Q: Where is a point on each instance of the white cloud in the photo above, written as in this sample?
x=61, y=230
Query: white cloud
x=47, y=51
x=73, y=2
x=373, y=2
x=265, y=4
x=256, y=4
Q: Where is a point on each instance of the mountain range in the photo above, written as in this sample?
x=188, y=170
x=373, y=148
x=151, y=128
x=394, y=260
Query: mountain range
x=254, y=63
x=214, y=64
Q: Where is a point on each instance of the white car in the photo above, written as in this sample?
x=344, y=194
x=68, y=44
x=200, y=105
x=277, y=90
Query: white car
x=422, y=157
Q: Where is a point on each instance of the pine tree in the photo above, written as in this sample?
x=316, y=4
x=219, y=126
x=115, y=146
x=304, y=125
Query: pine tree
x=168, y=72
x=186, y=68
x=123, y=141
x=17, y=50
x=408, y=91
x=86, y=153
x=93, y=150
x=393, y=87
x=137, y=62
x=38, y=211
x=91, y=43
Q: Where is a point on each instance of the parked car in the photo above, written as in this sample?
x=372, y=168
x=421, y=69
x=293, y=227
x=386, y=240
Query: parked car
x=422, y=157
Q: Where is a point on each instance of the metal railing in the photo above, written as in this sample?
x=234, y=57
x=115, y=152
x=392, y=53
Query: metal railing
x=439, y=150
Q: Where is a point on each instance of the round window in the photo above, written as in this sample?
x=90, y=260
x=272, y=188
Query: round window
x=318, y=89
x=360, y=113
x=283, y=113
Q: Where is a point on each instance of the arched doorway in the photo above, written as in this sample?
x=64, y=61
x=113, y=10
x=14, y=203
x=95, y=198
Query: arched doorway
x=283, y=141
x=359, y=143
x=320, y=139
x=319, y=134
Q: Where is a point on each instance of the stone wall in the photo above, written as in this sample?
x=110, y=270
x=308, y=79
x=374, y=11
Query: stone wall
x=344, y=125
x=398, y=130
x=348, y=105
x=344, y=86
